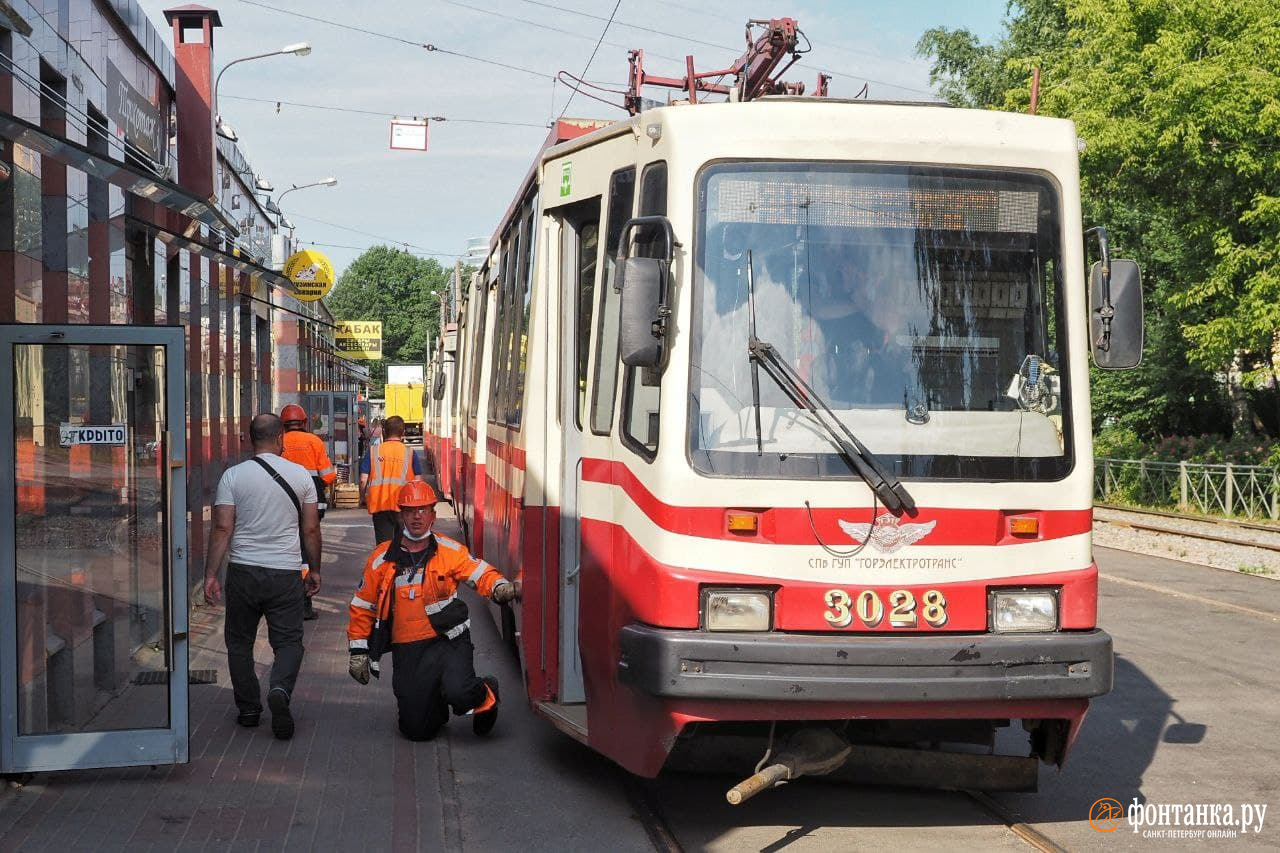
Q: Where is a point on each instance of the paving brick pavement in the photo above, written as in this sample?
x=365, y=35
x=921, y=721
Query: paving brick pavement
x=346, y=781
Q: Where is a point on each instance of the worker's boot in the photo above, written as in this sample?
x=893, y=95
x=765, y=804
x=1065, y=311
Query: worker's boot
x=485, y=715
x=309, y=610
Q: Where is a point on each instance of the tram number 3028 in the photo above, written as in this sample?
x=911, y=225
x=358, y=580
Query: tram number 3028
x=901, y=606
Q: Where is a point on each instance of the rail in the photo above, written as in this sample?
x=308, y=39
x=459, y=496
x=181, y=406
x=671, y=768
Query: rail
x=1248, y=491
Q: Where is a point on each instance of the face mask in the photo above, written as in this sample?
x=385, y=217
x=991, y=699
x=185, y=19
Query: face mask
x=411, y=537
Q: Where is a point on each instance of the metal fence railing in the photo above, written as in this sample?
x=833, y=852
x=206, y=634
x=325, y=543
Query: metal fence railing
x=1250, y=491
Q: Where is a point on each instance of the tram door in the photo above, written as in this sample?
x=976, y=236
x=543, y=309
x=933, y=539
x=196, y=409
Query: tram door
x=93, y=540
x=579, y=250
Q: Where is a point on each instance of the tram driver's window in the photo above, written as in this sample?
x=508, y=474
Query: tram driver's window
x=642, y=388
x=621, y=194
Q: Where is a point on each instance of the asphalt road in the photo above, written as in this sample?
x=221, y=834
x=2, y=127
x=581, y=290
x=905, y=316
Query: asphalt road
x=1192, y=720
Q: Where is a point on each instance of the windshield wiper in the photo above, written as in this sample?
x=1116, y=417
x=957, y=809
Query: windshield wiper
x=763, y=354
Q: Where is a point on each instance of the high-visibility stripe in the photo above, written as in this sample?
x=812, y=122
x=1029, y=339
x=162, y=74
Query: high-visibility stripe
x=440, y=605
x=357, y=601
x=326, y=472
x=474, y=577
x=456, y=631
x=359, y=645
x=448, y=543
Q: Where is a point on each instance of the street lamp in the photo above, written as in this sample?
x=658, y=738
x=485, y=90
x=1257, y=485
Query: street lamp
x=323, y=182
x=301, y=48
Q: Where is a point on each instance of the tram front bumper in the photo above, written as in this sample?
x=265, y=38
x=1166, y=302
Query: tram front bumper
x=779, y=667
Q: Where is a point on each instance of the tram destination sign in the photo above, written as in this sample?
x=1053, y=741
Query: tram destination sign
x=70, y=435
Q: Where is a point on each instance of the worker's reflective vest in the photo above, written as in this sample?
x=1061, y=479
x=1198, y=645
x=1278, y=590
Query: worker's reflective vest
x=309, y=451
x=390, y=467
x=415, y=595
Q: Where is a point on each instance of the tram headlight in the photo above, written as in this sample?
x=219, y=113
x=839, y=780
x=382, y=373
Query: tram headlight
x=737, y=610
x=1024, y=611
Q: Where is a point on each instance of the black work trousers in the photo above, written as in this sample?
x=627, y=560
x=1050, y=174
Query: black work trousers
x=385, y=525
x=429, y=677
x=254, y=592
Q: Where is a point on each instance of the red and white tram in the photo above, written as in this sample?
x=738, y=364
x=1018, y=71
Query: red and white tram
x=779, y=410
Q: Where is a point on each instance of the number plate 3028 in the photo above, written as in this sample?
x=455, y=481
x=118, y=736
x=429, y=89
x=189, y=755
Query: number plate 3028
x=902, y=608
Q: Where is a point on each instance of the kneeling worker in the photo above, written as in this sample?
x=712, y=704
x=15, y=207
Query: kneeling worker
x=408, y=601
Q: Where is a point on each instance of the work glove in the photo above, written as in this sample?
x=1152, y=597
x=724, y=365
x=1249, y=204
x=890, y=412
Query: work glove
x=504, y=592
x=358, y=667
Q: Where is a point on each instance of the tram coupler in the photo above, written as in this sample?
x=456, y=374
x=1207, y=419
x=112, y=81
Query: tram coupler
x=812, y=751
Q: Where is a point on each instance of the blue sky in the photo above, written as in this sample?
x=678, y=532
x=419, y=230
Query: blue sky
x=435, y=201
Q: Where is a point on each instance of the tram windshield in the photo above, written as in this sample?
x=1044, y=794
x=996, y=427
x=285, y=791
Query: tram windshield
x=923, y=304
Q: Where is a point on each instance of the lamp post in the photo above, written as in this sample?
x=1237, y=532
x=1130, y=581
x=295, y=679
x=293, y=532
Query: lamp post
x=323, y=182
x=302, y=48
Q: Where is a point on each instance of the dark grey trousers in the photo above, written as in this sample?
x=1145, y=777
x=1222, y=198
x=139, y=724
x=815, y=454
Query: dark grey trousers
x=254, y=592
x=385, y=525
x=429, y=676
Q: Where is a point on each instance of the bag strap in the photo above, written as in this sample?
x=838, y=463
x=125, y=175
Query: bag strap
x=275, y=475
x=293, y=496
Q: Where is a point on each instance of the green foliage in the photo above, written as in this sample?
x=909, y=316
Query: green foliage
x=395, y=287
x=1180, y=106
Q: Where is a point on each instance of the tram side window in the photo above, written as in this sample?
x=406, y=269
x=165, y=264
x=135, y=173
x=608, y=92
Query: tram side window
x=477, y=346
x=502, y=331
x=523, y=298
x=588, y=245
x=621, y=195
x=642, y=385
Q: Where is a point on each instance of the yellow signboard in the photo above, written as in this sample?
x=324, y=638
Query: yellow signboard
x=311, y=274
x=359, y=339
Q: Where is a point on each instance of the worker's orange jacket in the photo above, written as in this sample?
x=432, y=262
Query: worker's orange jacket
x=416, y=593
x=390, y=467
x=309, y=451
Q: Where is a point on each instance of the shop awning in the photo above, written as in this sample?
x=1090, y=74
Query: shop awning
x=228, y=258
x=130, y=178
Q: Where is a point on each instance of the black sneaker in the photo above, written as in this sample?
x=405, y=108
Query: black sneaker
x=281, y=718
x=482, y=722
x=309, y=611
x=249, y=719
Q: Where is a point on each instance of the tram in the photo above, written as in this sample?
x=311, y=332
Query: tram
x=779, y=410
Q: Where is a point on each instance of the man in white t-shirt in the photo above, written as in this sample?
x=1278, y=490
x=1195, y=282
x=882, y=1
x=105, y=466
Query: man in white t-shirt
x=265, y=508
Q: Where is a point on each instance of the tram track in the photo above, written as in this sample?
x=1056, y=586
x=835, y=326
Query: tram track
x=642, y=797
x=1028, y=834
x=1140, y=523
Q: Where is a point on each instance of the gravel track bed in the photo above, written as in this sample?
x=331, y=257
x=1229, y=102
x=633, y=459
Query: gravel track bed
x=1237, y=558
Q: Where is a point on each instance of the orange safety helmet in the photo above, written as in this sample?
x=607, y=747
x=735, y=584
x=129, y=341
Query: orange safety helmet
x=416, y=493
x=293, y=413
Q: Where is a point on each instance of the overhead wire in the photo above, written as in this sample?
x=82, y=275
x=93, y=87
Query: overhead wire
x=390, y=37
x=377, y=113
x=388, y=240
x=738, y=50
x=365, y=248
x=594, y=51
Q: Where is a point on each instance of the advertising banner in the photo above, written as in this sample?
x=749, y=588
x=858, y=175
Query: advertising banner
x=311, y=274
x=359, y=339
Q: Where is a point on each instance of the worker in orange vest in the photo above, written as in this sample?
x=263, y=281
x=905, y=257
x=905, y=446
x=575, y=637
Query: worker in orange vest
x=383, y=471
x=408, y=603
x=307, y=450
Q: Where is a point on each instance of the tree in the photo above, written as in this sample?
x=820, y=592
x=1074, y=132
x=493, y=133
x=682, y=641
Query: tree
x=1180, y=108
x=394, y=287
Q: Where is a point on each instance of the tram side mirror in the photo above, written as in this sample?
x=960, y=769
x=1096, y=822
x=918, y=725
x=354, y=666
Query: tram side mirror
x=1116, y=345
x=638, y=339
x=437, y=390
x=643, y=284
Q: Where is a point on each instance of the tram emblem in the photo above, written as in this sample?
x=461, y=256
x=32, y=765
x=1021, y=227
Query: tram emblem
x=887, y=533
